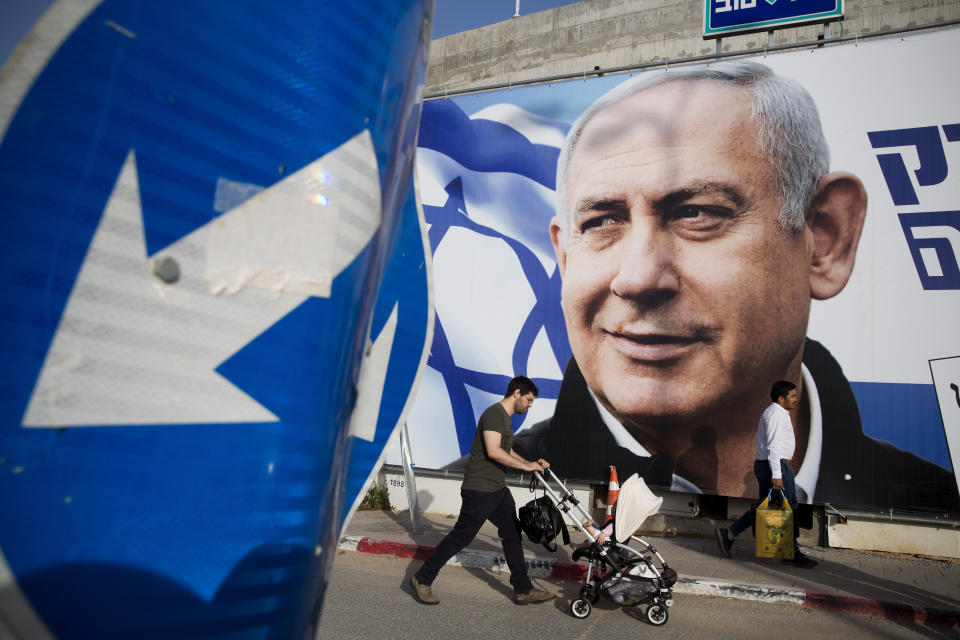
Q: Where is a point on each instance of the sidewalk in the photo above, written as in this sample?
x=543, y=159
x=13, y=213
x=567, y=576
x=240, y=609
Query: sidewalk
x=886, y=585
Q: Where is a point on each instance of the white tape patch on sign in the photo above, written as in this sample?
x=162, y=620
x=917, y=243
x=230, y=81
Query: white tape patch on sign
x=139, y=344
x=296, y=236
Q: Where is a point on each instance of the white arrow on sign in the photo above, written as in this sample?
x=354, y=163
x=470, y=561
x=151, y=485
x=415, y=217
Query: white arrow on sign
x=373, y=374
x=133, y=349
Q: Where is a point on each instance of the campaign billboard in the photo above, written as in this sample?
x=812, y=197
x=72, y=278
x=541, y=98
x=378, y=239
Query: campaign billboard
x=654, y=345
x=216, y=304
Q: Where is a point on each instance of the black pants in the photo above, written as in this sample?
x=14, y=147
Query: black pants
x=478, y=506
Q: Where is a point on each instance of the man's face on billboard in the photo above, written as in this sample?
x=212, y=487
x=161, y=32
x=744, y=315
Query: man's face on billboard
x=682, y=294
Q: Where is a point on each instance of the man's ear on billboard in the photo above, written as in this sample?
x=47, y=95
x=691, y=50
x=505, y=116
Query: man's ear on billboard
x=556, y=237
x=835, y=221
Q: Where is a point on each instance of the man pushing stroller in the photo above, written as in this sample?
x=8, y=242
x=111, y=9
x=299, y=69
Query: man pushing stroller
x=486, y=497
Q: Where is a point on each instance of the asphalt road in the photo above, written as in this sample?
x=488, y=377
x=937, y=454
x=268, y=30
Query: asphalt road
x=368, y=598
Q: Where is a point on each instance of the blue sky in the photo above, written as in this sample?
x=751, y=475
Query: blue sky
x=16, y=18
x=451, y=16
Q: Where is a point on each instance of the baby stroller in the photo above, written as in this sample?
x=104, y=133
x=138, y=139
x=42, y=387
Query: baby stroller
x=625, y=575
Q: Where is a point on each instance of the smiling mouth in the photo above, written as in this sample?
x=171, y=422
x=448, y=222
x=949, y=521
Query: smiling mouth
x=654, y=347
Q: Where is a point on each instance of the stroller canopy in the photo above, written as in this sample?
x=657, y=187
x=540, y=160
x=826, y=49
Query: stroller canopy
x=635, y=504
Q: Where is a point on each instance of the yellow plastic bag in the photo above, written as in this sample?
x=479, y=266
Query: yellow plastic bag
x=774, y=529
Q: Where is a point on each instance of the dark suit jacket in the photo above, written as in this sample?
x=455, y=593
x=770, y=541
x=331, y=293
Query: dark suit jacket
x=578, y=445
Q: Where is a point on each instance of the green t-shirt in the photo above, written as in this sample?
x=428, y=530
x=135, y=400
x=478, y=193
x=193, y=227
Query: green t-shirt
x=483, y=474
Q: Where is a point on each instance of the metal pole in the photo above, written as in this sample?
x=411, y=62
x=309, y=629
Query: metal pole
x=409, y=480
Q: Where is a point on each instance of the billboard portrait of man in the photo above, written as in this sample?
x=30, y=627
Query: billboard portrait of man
x=696, y=220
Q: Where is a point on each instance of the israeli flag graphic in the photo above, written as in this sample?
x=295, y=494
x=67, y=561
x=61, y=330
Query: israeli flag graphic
x=487, y=184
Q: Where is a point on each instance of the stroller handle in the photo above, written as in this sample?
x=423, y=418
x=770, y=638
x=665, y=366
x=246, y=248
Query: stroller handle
x=564, y=503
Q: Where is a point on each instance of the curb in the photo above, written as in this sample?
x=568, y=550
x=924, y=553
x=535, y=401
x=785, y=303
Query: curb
x=563, y=570
x=880, y=609
x=468, y=558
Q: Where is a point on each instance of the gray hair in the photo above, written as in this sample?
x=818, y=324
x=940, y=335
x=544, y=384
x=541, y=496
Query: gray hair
x=791, y=137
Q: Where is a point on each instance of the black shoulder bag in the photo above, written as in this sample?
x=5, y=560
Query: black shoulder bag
x=542, y=522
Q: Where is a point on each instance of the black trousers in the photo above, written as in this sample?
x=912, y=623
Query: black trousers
x=478, y=506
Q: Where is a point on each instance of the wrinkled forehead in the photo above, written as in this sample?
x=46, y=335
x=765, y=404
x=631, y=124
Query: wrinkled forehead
x=672, y=113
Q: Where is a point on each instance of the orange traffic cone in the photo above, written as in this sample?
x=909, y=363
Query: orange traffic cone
x=613, y=492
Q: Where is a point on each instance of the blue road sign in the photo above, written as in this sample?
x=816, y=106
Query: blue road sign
x=212, y=275
x=722, y=17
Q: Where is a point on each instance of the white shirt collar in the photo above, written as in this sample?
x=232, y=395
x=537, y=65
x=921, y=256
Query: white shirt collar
x=617, y=430
x=806, y=477
x=628, y=442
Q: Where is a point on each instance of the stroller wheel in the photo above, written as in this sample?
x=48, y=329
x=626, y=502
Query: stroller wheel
x=580, y=608
x=657, y=614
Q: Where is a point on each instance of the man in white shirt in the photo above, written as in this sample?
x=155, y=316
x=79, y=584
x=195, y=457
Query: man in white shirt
x=775, y=447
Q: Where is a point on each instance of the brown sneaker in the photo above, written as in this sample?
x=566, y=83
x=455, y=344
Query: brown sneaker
x=423, y=592
x=533, y=596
